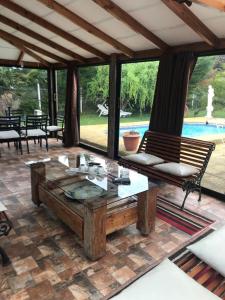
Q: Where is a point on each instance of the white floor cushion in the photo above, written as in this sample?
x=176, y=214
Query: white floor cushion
x=211, y=250
x=166, y=281
x=144, y=159
x=177, y=169
x=9, y=134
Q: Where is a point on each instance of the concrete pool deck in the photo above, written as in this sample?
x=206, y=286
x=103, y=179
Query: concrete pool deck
x=96, y=135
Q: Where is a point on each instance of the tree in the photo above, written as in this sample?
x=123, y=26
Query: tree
x=21, y=83
x=138, y=85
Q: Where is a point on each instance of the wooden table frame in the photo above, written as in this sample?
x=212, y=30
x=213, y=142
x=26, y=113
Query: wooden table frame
x=97, y=222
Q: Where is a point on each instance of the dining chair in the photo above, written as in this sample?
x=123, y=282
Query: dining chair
x=10, y=131
x=36, y=128
x=59, y=127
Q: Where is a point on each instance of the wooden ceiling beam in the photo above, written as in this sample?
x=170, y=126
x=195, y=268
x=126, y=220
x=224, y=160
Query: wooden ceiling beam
x=125, y=18
x=186, y=15
x=33, y=47
x=26, y=64
x=23, y=49
x=49, y=26
x=20, y=58
x=62, y=10
x=218, y=4
x=40, y=38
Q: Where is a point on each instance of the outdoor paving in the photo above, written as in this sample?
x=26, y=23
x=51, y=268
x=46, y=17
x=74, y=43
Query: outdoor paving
x=47, y=257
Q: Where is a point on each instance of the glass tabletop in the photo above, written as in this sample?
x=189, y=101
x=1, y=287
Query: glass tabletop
x=85, y=179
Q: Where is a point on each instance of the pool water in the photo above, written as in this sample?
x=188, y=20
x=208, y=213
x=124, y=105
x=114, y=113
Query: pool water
x=189, y=130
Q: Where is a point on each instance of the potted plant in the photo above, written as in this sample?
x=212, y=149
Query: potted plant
x=131, y=140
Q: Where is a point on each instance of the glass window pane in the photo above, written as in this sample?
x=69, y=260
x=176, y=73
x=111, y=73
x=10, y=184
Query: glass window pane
x=94, y=93
x=137, y=92
x=205, y=115
x=61, y=77
x=23, y=89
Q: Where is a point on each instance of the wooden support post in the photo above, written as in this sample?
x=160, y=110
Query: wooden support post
x=114, y=106
x=37, y=176
x=95, y=231
x=146, y=210
x=52, y=96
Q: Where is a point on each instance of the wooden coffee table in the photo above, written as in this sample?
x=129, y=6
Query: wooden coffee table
x=93, y=219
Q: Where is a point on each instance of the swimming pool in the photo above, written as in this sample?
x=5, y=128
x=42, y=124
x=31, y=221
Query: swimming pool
x=189, y=130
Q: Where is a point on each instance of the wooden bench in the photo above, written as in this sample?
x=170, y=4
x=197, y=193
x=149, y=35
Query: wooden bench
x=171, y=148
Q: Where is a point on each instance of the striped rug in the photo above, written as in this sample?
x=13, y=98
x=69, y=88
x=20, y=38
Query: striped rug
x=185, y=220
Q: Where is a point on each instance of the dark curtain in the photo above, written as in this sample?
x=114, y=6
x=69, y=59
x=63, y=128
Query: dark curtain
x=171, y=92
x=71, y=130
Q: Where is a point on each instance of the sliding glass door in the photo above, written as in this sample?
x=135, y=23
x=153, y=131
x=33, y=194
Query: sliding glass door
x=94, y=94
x=136, y=98
x=205, y=115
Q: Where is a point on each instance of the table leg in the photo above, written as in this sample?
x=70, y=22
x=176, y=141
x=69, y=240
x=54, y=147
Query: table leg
x=146, y=209
x=95, y=232
x=37, y=176
x=5, y=258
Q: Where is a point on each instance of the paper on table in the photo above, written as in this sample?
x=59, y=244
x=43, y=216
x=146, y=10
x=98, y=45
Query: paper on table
x=2, y=207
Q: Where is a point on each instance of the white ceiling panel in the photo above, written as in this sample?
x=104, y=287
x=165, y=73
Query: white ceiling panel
x=61, y=22
x=8, y=52
x=63, y=42
x=135, y=5
x=48, y=59
x=217, y=25
x=52, y=50
x=115, y=28
x=82, y=52
x=4, y=44
x=29, y=58
x=34, y=6
x=205, y=12
x=178, y=36
x=65, y=2
x=137, y=42
x=6, y=28
x=41, y=30
x=86, y=37
x=12, y=15
x=25, y=37
x=157, y=17
x=89, y=10
x=106, y=48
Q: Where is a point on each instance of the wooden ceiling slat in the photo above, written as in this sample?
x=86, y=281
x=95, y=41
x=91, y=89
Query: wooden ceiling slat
x=62, y=10
x=24, y=49
x=125, y=18
x=219, y=4
x=20, y=58
x=186, y=15
x=33, y=47
x=49, y=26
x=40, y=38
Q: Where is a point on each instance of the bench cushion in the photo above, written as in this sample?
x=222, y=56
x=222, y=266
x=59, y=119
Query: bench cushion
x=211, y=250
x=53, y=128
x=177, y=169
x=34, y=132
x=144, y=159
x=9, y=134
x=166, y=281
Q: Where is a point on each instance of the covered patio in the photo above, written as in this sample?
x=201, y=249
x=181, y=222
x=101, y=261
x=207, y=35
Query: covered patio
x=50, y=255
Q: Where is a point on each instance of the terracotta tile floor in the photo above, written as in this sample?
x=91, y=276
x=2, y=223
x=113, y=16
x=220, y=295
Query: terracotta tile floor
x=47, y=257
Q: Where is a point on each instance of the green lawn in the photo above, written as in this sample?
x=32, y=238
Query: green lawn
x=93, y=119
